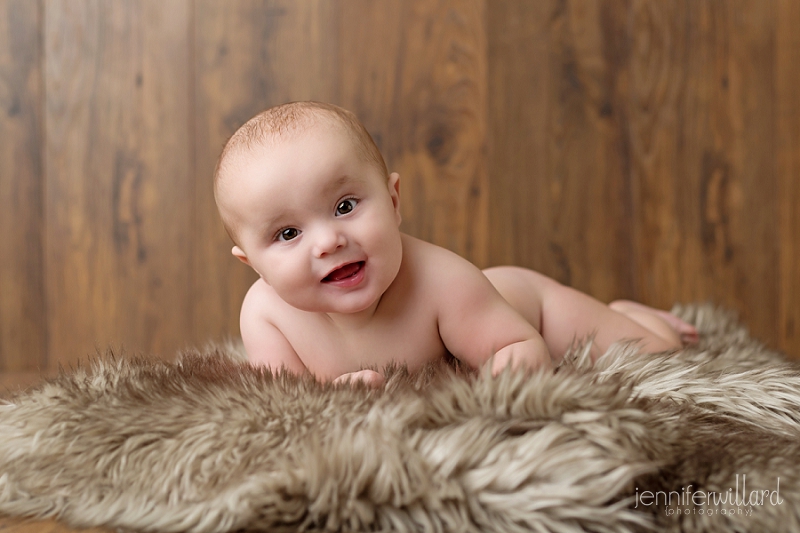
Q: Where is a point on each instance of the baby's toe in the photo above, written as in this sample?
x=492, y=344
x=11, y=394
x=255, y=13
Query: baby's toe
x=689, y=335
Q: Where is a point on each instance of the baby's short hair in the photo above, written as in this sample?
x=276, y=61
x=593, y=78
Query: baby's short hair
x=291, y=118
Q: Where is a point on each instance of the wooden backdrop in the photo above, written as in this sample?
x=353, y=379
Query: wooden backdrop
x=645, y=149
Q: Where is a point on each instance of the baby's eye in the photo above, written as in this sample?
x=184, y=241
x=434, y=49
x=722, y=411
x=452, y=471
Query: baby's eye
x=345, y=206
x=287, y=234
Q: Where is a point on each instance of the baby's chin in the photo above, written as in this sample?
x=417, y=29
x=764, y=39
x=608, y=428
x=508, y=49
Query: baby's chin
x=343, y=307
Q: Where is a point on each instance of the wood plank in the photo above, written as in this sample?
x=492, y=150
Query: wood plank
x=12, y=383
x=369, y=34
x=250, y=55
x=701, y=135
x=632, y=152
x=752, y=204
x=24, y=525
x=23, y=335
x=560, y=196
x=729, y=157
x=788, y=145
x=518, y=57
x=118, y=176
x=650, y=56
x=427, y=108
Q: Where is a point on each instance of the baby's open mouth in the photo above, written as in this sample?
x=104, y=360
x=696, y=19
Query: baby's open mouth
x=347, y=271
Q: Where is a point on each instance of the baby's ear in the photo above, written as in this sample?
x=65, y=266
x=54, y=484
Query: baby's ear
x=239, y=254
x=394, y=192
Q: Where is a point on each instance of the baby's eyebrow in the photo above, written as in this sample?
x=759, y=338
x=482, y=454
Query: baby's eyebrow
x=336, y=184
x=343, y=180
x=270, y=226
x=277, y=220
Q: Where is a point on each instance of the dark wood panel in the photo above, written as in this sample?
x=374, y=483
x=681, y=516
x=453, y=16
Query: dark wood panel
x=23, y=335
x=250, y=55
x=427, y=107
x=752, y=196
x=21, y=525
x=788, y=175
x=633, y=152
x=119, y=194
x=12, y=383
x=652, y=87
x=560, y=193
x=518, y=84
x=701, y=135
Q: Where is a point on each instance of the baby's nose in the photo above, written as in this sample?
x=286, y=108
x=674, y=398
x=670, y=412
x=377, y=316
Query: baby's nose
x=328, y=241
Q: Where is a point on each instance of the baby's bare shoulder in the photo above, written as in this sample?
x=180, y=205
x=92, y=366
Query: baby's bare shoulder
x=441, y=272
x=265, y=342
x=261, y=302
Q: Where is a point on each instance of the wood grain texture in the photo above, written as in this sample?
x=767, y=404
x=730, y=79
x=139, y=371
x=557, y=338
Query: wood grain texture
x=646, y=149
x=119, y=193
x=640, y=161
x=23, y=333
x=701, y=137
x=787, y=104
x=427, y=109
x=21, y=525
x=645, y=91
x=559, y=187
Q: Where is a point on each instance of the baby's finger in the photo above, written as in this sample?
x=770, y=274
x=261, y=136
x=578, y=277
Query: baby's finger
x=371, y=378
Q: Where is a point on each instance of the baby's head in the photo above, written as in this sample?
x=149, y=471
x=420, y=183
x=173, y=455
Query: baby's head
x=283, y=122
x=304, y=193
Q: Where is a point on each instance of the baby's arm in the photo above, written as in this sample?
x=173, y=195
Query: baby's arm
x=476, y=323
x=264, y=343
x=267, y=346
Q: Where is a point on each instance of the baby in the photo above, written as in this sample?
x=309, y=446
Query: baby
x=305, y=195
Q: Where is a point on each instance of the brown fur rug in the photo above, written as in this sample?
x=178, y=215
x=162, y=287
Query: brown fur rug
x=707, y=439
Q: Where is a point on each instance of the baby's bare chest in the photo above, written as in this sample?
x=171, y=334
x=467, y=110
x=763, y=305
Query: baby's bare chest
x=330, y=351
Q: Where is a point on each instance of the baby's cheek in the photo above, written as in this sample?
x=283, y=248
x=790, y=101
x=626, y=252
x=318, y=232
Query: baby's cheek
x=297, y=280
x=285, y=280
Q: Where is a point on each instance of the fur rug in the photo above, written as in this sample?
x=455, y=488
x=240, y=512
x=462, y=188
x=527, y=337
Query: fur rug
x=707, y=439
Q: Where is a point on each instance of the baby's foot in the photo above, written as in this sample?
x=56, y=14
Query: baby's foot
x=687, y=332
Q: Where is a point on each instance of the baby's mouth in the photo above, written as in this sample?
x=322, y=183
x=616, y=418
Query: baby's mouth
x=347, y=271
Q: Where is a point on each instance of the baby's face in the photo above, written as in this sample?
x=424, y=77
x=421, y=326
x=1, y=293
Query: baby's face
x=318, y=224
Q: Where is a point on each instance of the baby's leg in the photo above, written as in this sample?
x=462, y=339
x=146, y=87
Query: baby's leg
x=563, y=314
x=657, y=320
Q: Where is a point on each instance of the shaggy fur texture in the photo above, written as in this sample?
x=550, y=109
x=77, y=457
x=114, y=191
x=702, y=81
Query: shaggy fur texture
x=208, y=444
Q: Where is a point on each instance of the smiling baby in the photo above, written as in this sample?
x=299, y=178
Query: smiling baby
x=305, y=195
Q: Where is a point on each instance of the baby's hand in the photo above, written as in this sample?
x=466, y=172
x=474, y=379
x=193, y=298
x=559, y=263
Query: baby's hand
x=526, y=355
x=370, y=377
